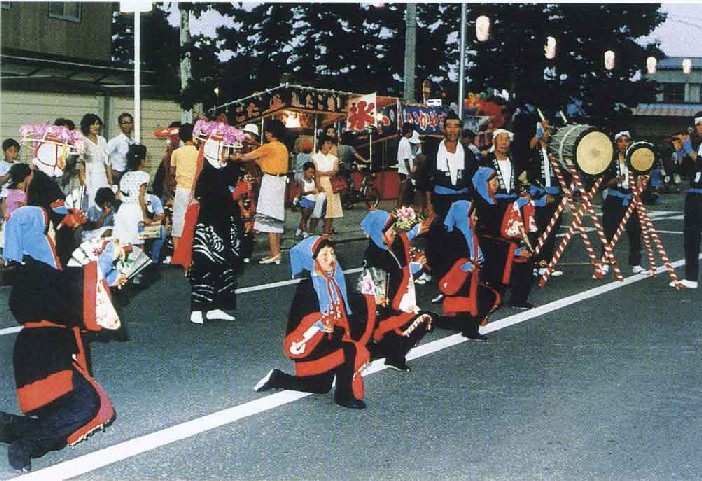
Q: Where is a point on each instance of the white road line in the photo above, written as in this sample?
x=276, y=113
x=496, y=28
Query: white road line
x=133, y=447
x=260, y=287
x=10, y=330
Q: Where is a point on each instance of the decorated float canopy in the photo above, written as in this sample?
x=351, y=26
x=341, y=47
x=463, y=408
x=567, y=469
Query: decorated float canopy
x=309, y=108
x=297, y=106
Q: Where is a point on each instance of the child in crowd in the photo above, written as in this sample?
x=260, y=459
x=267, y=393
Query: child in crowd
x=101, y=217
x=10, y=150
x=155, y=215
x=311, y=201
x=243, y=195
x=16, y=196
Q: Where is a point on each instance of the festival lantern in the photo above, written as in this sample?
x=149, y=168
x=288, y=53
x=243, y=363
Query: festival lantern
x=609, y=60
x=550, y=48
x=482, y=28
x=687, y=65
x=292, y=121
x=651, y=65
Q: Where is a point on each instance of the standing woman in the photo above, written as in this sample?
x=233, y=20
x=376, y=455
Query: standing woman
x=98, y=172
x=326, y=166
x=217, y=244
x=272, y=157
x=132, y=187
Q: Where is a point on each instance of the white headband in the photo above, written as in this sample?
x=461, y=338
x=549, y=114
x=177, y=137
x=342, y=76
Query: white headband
x=698, y=120
x=623, y=133
x=497, y=132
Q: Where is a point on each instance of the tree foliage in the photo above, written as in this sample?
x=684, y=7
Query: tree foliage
x=360, y=48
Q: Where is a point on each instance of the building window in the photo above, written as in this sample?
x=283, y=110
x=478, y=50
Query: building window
x=4, y=4
x=65, y=11
x=674, y=93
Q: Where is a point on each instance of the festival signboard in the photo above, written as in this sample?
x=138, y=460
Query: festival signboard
x=428, y=120
x=293, y=97
x=361, y=112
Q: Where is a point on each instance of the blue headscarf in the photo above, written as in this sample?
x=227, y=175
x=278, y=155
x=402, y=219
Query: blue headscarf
x=480, y=182
x=373, y=224
x=25, y=234
x=302, y=259
x=458, y=217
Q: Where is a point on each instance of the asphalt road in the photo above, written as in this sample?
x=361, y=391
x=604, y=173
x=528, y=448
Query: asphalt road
x=600, y=382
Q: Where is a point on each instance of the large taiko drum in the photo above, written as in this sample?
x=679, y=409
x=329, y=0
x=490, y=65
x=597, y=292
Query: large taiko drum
x=640, y=157
x=582, y=146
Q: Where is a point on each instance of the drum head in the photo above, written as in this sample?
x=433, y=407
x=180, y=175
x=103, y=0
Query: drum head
x=594, y=152
x=641, y=157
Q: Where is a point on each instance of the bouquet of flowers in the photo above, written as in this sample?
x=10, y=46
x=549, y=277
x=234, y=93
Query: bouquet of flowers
x=406, y=218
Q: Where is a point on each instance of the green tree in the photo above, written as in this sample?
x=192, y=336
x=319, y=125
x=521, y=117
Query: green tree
x=158, y=37
x=583, y=32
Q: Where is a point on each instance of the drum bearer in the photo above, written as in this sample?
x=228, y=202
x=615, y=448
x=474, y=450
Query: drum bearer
x=617, y=196
x=504, y=221
x=546, y=193
x=692, y=229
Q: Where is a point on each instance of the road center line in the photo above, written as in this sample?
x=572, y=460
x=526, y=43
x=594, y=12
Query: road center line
x=133, y=447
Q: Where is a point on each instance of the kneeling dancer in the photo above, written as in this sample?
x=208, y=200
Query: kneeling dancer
x=327, y=331
x=468, y=301
x=62, y=401
x=400, y=323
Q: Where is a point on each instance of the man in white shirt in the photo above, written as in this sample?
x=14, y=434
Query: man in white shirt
x=405, y=159
x=118, y=146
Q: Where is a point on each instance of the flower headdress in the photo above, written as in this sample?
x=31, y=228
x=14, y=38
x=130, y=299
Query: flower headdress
x=37, y=134
x=219, y=132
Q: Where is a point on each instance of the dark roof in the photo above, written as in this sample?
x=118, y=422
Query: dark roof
x=21, y=63
x=70, y=86
x=666, y=110
x=675, y=63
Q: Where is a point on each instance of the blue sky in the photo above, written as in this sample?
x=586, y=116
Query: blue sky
x=681, y=34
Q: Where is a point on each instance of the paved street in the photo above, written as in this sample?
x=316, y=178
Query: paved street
x=601, y=381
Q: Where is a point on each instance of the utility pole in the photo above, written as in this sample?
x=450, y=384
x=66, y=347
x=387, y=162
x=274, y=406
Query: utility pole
x=462, y=61
x=186, y=116
x=410, y=50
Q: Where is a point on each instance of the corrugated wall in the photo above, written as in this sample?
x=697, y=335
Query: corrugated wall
x=17, y=108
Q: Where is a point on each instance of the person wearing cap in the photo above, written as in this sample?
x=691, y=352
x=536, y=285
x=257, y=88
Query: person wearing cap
x=272, y=157
x=617, y=181
x=405, y=162
x=505, y=221
x=328, y=328
x=449, y=169
x=468, y=300
x=692, y=223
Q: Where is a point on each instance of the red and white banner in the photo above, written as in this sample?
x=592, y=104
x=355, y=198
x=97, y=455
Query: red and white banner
x=361, y=112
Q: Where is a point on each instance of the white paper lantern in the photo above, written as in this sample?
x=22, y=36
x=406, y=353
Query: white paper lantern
x=609, y=60
x=687, y=65
x=550, y=48
x=482, y=28
x=651, y=65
